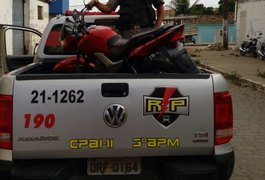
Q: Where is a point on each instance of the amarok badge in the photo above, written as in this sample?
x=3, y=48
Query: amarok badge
x=166, y=104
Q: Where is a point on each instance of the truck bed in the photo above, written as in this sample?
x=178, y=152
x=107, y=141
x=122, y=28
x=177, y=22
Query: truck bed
x=60, y=110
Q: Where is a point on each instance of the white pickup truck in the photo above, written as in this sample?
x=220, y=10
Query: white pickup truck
x=120, y=126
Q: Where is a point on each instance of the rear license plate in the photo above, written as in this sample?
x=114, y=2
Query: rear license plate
x=113, y=166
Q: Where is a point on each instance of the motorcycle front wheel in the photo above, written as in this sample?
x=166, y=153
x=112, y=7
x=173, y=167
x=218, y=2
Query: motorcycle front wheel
x=261, y=57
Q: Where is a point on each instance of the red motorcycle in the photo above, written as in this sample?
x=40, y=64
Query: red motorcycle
x=102, y=50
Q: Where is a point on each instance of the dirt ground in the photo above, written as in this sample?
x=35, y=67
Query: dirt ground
x=229, y=61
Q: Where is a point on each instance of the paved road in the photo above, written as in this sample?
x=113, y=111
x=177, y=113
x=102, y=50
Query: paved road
x=249, y=133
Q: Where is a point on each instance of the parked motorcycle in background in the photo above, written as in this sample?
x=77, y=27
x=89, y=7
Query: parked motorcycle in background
x=250, y=46
x=261, y=51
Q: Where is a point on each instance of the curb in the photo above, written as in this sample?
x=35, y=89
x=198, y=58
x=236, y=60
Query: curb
x=244, y=81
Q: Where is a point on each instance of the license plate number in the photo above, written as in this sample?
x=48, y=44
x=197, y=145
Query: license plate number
x=113, y=166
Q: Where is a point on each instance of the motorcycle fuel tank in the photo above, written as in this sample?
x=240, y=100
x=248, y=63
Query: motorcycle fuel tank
x=96, y=40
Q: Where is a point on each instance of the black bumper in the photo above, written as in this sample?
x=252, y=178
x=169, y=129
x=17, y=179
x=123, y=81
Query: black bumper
x=5, y=167
x=189, y=168
x=153, y=168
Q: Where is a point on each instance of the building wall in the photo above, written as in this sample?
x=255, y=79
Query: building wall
x=31, y=10
x=169, y=11
x=212, y=33
x=6, y=12
x=250, y=20
x=30, y=13
x=36, y=15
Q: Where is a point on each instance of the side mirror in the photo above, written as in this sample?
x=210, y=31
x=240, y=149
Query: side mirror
x=76, y=16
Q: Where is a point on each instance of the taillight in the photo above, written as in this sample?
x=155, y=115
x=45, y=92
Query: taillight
x=175, y=37
x=223, y=117
x=6, y=122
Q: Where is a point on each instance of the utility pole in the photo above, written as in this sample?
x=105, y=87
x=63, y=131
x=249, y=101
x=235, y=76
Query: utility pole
x=225, y=25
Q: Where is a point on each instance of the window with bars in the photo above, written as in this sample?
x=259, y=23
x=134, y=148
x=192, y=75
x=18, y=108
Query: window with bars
x=40, y=12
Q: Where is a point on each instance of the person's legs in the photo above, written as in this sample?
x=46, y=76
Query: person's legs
x=127, y=34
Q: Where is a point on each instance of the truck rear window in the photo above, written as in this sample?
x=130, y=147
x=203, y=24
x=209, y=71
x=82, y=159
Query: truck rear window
x=53, y=45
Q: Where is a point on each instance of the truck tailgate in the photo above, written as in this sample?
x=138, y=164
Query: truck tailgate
x=88, y=116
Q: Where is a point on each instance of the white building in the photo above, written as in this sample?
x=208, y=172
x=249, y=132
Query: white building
x=30, y=13
x=250, y=19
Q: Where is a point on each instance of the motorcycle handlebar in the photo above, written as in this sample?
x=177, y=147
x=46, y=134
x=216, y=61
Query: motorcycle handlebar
x=90, y=5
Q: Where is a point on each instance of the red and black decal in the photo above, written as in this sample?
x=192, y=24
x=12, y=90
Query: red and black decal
x=166, y=104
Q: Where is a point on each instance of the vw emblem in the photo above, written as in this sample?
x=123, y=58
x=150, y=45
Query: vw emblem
x=115, y=115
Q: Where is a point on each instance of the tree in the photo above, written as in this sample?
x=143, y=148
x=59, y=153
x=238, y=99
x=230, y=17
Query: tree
x=181, y=6
x=208, y=11
x=231, y=6
x=225, y=24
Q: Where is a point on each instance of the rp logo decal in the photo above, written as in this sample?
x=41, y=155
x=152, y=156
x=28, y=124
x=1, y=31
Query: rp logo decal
x=166, y=104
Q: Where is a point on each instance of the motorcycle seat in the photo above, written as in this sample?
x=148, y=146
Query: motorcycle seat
x=120, y=47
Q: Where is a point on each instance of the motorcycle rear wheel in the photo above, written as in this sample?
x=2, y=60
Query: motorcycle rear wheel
x=255, y=54
x=242, y=53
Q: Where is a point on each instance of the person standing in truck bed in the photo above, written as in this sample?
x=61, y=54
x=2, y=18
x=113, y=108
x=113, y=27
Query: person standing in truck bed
x=135, y=15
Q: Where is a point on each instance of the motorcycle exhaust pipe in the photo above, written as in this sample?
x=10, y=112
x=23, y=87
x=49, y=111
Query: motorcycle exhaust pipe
x=242, y=50
x=261, y=54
